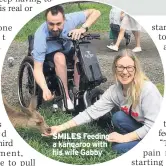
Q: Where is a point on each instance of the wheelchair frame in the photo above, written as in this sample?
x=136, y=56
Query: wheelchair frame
x=88, y=91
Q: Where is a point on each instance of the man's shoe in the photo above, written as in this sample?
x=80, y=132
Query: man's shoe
x=55, y=107
x=113, y=47
x=70, y=105
x=137, y=49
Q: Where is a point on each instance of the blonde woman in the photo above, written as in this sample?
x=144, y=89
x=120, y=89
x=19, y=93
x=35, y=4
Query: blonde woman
x=138, y=100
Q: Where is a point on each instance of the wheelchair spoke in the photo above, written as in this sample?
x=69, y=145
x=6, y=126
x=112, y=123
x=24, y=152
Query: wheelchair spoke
x=28, y=85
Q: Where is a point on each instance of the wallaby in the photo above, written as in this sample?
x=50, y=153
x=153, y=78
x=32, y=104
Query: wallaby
x=27, y=117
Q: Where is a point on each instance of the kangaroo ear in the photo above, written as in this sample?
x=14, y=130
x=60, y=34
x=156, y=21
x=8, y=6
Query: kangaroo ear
x=26, y=110
x=33, y=103
x=38, y=122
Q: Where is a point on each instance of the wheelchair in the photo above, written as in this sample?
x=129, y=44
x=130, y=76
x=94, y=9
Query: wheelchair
x=87, y=67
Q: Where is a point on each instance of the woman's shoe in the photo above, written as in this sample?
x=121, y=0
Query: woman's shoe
x=137, y=49
x=113, y=47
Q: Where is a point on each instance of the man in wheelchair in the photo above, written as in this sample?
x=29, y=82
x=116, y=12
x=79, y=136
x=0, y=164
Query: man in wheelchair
x=58, y=24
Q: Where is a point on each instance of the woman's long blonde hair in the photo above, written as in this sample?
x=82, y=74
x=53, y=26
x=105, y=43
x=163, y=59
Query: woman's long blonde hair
x=134, y=90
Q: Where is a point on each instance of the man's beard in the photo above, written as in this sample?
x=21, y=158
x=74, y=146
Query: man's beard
x=56, y=33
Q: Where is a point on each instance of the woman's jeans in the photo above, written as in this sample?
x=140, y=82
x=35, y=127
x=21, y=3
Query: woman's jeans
x=125, y=124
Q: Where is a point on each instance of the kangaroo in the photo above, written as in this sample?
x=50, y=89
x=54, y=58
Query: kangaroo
x=27, y=117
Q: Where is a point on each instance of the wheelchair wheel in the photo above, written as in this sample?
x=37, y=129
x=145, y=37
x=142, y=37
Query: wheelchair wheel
x=94, y=95
x=27, y=86
x=105, y=122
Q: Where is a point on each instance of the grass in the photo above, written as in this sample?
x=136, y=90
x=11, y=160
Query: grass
x=101, y=25
x=44, y=145
x=160, y=88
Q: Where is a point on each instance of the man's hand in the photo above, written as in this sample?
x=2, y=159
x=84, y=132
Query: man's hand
x=47, y=95
x=116, y=137
x=76, y=33
x=91, y=17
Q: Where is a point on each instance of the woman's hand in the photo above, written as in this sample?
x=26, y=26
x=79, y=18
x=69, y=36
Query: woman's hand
x=57, y=129
x=54, y=130
x=120, y=138
x=116, y=137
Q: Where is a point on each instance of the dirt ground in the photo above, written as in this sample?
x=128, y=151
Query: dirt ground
x=149, y=57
